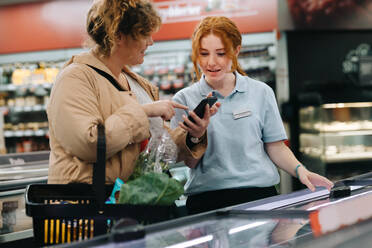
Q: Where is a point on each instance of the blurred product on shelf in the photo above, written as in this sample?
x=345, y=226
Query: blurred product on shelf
x=20, y=74
x=29, y=145
x=38, y=74
x=51, y=72
x=6, y=75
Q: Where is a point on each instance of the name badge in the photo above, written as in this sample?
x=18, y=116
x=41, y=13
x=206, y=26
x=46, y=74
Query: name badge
x=241, y=114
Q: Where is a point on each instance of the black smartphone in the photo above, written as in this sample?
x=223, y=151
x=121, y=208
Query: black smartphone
x=200, y=109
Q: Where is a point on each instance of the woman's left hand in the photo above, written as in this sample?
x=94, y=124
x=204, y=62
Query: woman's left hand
x=199, y=126
x=311, y=179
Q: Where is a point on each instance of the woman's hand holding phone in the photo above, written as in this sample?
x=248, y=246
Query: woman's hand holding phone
x=200, y=109
x=198, y=120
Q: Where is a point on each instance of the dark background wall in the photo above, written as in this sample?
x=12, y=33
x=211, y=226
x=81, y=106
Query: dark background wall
x=317, y=56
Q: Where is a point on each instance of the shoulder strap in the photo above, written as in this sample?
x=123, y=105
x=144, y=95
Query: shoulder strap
x=108, y=77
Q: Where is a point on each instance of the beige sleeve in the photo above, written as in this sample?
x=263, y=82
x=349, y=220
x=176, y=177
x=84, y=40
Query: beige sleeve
x=184, y=152
x=74, y=112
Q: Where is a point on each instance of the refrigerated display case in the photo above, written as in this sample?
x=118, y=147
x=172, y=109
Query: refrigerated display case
x=280, y=221
x=335, y=129
x=16, y=172
x=337, y=132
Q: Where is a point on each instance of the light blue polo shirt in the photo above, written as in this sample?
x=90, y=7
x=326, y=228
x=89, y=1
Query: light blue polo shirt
x=235, y=156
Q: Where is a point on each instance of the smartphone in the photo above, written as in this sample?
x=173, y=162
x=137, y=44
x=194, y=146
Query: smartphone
x=200, y=109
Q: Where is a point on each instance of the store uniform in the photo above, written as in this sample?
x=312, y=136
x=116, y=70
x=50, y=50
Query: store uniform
x=80, y=100
x=235, y=158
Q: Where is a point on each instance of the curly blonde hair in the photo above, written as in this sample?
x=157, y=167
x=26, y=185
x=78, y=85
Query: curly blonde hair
x=107, y=19
x=229, y=34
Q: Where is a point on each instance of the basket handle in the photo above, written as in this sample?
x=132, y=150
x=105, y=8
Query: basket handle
x=99, y=168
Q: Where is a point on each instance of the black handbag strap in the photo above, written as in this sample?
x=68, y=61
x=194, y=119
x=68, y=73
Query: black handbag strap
x=108, y=77
x=99, y=168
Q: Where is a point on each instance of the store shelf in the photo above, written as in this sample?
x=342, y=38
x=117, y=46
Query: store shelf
x=352, y=132
x=22, y=109
x=347, y=157
x=13, y=87
x=342, y=157
x=26, y=133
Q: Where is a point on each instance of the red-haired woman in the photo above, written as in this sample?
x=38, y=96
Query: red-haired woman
x=245, y=137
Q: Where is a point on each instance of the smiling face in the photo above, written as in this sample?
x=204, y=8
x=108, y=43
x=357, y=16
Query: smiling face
x=213, y=60
x=216, y=32
x=133, y=51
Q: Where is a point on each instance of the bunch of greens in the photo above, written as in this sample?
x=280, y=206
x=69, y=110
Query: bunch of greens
x=151, y=188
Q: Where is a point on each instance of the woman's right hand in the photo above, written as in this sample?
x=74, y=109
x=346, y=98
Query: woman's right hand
x=162, y=108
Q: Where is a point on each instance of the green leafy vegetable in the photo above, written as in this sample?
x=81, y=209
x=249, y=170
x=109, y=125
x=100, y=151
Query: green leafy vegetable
x=151, y=189
x=146, y=162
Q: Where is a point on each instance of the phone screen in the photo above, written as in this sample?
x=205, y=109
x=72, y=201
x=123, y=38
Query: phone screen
x=200, y=109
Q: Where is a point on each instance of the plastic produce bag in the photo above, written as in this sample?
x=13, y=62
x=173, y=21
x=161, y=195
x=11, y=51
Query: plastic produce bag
x=159, y=155
x=150, y=182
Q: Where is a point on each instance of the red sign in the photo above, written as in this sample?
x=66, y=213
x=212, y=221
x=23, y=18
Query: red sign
x=181, y=16
x=42, y=26
x=61, y=24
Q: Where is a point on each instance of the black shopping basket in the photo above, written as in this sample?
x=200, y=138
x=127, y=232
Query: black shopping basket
x=64, y=213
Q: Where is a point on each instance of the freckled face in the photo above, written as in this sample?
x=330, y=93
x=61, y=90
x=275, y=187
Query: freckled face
x=213, y=60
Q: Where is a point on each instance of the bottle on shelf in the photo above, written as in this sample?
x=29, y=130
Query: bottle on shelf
x=7, y=74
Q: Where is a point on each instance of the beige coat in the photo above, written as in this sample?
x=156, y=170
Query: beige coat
x=79, y=101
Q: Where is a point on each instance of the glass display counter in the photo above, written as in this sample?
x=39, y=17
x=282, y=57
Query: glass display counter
x=18, y=170
x=337, y=132
x=233, y=230
x=335, y=139
x=279, y=221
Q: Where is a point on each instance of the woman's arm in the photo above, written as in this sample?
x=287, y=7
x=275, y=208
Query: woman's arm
x=283, y=157
x=196, y=129
x=75, y=110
